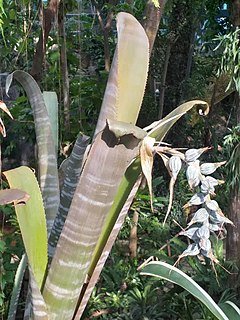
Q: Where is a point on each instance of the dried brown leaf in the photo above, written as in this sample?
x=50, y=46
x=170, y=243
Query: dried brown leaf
x=146, y=154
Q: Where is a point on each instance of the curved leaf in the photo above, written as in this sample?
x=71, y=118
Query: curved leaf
x=48, y=173
x=168, y=272
x=230, y=309
x=162, y=126
x=128, y=75
x=51, y=103
x=17, y=288
x=72, y=174
x=31, y=219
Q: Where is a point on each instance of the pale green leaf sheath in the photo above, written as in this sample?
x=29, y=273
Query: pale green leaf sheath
x=99, y=181
x=71, y=177
x=32, y=222
x=166, y=271
x=111, y=153
x=111, y=236
x=48, y=173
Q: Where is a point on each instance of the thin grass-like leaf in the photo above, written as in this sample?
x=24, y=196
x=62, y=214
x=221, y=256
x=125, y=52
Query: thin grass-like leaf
x=17, y=288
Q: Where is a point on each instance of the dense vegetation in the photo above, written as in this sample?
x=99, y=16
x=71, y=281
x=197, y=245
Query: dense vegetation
x=68, y=47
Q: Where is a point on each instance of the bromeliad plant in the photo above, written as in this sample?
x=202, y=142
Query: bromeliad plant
x=98, y=187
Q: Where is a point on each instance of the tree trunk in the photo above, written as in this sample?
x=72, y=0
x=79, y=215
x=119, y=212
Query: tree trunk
x=152, y=17
x=64, y=68
x=163, y=83
x=133, y=235
x=106, y=30
x=233, y=235
x=48, y=16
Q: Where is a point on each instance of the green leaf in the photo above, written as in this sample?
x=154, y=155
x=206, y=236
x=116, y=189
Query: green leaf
x=17, y=288
x=31, y=219
x=47, y=161
x=230, y=309
x=51, y=102
x=168, y=272
x=161, y=127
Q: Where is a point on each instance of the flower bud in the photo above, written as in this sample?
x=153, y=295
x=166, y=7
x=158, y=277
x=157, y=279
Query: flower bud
x=193, y=174
x=192, y=155
x=174, y=165
x=209, y=168
x=199, y=216
x=196, y=200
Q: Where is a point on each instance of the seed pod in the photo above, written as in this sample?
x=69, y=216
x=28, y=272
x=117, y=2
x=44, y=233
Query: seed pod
x=190, y=233
x=193, y=174
x=196, y=200
x=192, y=155
x=192, y=250
x=174, y=165
x=212, y=205
x=208, y=184
x=205, y=244
x=209, y=168
x=203, y=232
x=199, y=216
x=216, y=218
x=214, y=227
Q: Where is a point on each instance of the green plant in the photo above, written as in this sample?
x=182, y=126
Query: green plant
x=96, y=203
x=226, y=311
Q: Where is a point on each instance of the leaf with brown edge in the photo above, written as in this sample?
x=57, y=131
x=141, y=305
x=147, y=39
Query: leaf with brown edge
x=5, y=109
x=146, y=155
x=13, y=195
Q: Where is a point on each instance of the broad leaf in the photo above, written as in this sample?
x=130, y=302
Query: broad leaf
x=230, y=309
x=162, y=126
x=70, y=180
x=107, y=161
x=48, y=173
x=51, y=103
x=128, y=75
x=168, y=272
x=31, y=219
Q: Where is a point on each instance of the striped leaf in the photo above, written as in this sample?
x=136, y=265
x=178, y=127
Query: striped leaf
x=48, y=173
x=99, y=181
x=112, y=151
x=108, y=236
x=166, y=271
x=71, y=177
x=128, y=75
x=51, y=103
